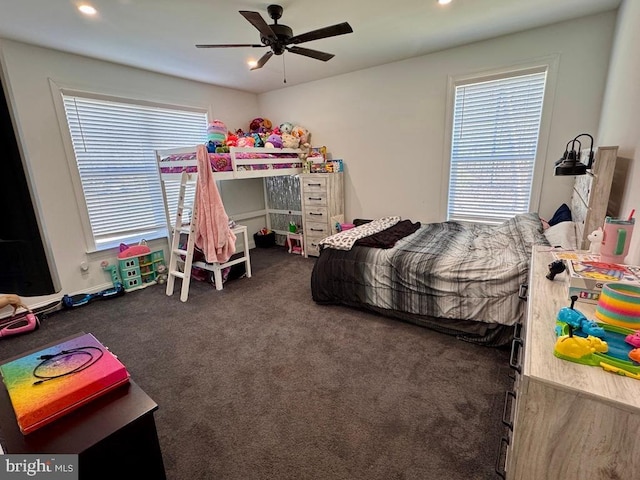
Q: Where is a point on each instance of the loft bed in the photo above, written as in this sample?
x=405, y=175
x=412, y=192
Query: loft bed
x=276, y=166
x=178, y=170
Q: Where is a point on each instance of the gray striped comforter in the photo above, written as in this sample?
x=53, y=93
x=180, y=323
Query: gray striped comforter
x=444, y=270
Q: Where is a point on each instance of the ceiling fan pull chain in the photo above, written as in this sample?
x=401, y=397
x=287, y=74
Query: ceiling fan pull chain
x=284, y=71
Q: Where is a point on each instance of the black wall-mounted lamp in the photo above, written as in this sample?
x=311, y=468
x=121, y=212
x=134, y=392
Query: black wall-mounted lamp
x=570, y=163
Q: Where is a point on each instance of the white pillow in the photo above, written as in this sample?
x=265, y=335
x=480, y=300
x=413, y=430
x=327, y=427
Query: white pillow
x=562, y=235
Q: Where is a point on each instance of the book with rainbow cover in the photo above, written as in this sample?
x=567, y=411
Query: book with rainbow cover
x=53, y=381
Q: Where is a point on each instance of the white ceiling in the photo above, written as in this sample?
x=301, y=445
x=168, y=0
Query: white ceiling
x=159, y=35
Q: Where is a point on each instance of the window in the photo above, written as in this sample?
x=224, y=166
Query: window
x=496, y=125
x=114, y=145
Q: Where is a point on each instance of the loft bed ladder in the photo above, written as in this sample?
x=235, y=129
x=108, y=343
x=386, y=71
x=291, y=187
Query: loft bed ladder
x=177, y=253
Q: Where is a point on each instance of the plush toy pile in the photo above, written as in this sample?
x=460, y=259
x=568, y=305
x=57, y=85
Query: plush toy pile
x=261, y=133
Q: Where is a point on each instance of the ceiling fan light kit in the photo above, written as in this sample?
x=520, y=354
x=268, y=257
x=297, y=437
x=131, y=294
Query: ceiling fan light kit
x=280, y=38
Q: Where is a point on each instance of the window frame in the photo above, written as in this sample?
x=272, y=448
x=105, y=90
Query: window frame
x=548, y=64
x=58, y=91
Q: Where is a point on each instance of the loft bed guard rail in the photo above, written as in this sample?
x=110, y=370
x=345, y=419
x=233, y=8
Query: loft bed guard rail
x=240, y=162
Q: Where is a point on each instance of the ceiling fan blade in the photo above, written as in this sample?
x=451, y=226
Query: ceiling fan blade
x=332, y=31
x=307, y=52
x=264, y=59
x=257, y=21
x=231, y=45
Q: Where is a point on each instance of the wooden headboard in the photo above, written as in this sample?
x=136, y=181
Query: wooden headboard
x=591, y=194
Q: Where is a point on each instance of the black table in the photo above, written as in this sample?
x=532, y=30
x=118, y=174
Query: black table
x=113, y=435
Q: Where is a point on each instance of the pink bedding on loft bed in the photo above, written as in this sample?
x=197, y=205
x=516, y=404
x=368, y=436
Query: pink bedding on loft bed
x=221, y=162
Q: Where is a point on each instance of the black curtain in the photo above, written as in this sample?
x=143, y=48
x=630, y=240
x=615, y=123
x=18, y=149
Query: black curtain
x=23, y=264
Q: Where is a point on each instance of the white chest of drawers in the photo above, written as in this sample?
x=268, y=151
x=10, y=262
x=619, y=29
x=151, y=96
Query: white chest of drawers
x=322, y=207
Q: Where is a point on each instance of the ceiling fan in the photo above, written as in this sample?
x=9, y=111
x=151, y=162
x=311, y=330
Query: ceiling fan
x=279, y=37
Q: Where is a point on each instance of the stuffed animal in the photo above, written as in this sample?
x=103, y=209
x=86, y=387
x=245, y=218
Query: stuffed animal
x=217, y=132
x=232, y=140
x=273, y=141
x=301, y=133
x=266, y=125
x=260, y=125
x=246, y=141
x=258, y=142
x=255, y=124
x=161, y=270
x=286, y=127
x=595, y=238
x=305, y=151
x=289, y=141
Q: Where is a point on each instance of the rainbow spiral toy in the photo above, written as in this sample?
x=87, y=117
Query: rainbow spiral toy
x=619, y=304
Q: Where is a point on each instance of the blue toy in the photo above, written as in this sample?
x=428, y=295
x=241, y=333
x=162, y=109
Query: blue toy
x=72, y=301
x=579, y=322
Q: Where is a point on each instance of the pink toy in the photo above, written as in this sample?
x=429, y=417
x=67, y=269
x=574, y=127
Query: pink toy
x=126, y=251
x=246, y=142
x=633, y=339
x=232, y=140
x=22, y=324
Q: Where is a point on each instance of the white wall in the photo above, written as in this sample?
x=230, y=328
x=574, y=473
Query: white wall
x=26, y=72
x=388, y=122
x=620, y=122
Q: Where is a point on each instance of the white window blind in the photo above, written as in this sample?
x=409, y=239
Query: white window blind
x=494, y=141
x=114, y=145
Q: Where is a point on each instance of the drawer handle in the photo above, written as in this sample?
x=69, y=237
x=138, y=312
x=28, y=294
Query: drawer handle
x=523, y=291
x=318, y=214
x=505, y=421
x=317, y=229
x=314, y=184
x=515, y=348
x=314, y=198
x=517, y=330
x=500, y=467
x=517, y=333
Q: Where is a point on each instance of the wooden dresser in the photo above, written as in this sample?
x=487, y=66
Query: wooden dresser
x=590, y=196
x=322, y=207
x=565, y=420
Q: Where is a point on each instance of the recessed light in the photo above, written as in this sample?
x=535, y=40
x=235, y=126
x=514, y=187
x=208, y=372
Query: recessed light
x=444, y=2
x=87, y=9
x=252, y=63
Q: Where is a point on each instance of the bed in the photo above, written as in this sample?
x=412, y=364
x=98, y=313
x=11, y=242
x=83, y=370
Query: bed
x=461, y=279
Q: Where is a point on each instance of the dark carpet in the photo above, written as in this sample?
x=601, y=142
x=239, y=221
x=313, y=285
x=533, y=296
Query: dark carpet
x=258, y=382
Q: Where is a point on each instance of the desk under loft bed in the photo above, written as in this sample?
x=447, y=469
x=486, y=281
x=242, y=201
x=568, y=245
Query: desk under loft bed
x=178, y=170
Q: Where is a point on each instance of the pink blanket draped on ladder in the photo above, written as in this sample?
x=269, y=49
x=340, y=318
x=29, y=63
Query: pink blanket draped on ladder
x=213, y=235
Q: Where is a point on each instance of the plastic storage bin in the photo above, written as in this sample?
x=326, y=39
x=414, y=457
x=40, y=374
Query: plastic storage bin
x=265, y=241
